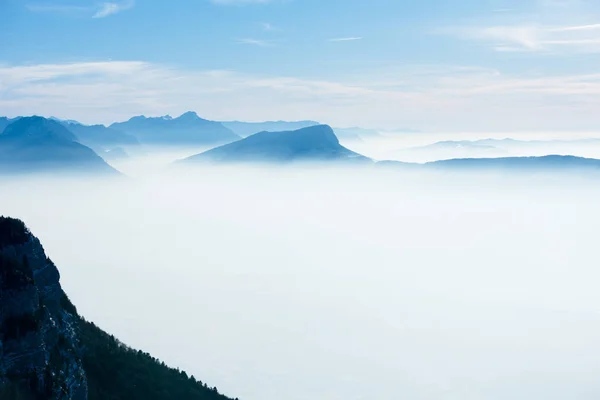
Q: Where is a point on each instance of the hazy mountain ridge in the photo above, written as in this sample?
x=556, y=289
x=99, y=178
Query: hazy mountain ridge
x=186, y=129
x=37, y=144
x=508, y=147
x=50, y=352
x=316, y=143
x=100, y=137
x=550, y=163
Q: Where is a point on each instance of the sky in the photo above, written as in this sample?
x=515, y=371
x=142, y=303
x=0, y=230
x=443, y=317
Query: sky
x=433, y=65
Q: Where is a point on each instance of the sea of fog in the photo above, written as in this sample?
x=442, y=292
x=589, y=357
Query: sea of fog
x=331, y=284
x=410, y=147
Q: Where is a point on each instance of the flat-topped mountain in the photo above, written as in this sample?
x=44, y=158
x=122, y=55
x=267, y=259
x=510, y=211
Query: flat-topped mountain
x=35, y=144
x=48, y=351
x=186, y=129
x=315, y=143
x=245, y=129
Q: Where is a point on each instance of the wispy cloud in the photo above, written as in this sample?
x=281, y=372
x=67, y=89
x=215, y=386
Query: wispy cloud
x=534, y=38
x=542, y=26
x=427, y=97
x=107, y=9
x=94, y=10
x=346, y=39
x=256, y=42
x=268, y=27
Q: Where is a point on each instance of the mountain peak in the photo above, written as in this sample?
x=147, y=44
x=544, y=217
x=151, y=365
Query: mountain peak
x=37, y=144
x=190, y=115
x=36, y=127
x=316, y=143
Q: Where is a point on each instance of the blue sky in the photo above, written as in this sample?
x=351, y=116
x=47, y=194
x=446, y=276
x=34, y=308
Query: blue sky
x=428, y=64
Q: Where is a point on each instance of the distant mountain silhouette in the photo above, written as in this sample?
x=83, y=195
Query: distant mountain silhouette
x=551, y=162
x=187, y=129
x=315, y=143
x=99, y=137
x=36, y=144
x=245, y=129
x=451, y=149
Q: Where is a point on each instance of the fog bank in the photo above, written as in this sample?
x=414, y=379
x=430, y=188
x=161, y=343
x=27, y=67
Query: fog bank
x=330, y=284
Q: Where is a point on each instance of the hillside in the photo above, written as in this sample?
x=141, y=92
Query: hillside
x=48, y=351
x=36, y=144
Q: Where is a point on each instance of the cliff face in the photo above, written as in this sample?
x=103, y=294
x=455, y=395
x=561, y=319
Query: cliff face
x=40, y=355
x=49, y=352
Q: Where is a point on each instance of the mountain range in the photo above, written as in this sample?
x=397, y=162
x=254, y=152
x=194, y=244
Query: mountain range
x=550, y=163
x=50, y=352
x=315, y=143
x=36, y=144
x=100, y=137
x=187, y=129
x=450, y=149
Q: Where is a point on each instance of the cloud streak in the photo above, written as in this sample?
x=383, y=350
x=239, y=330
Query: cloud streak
x=533, y=38
x=345, y=39
x=256, y=42
x=107, y=9
x=101, y=10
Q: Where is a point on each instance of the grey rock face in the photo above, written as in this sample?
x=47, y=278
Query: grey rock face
x=38, y=342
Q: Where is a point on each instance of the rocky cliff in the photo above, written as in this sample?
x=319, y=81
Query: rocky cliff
x=49, y=352
x=40, y=355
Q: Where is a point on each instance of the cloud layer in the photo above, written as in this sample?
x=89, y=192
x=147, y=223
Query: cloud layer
x=532, y=38
x=424, y=97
